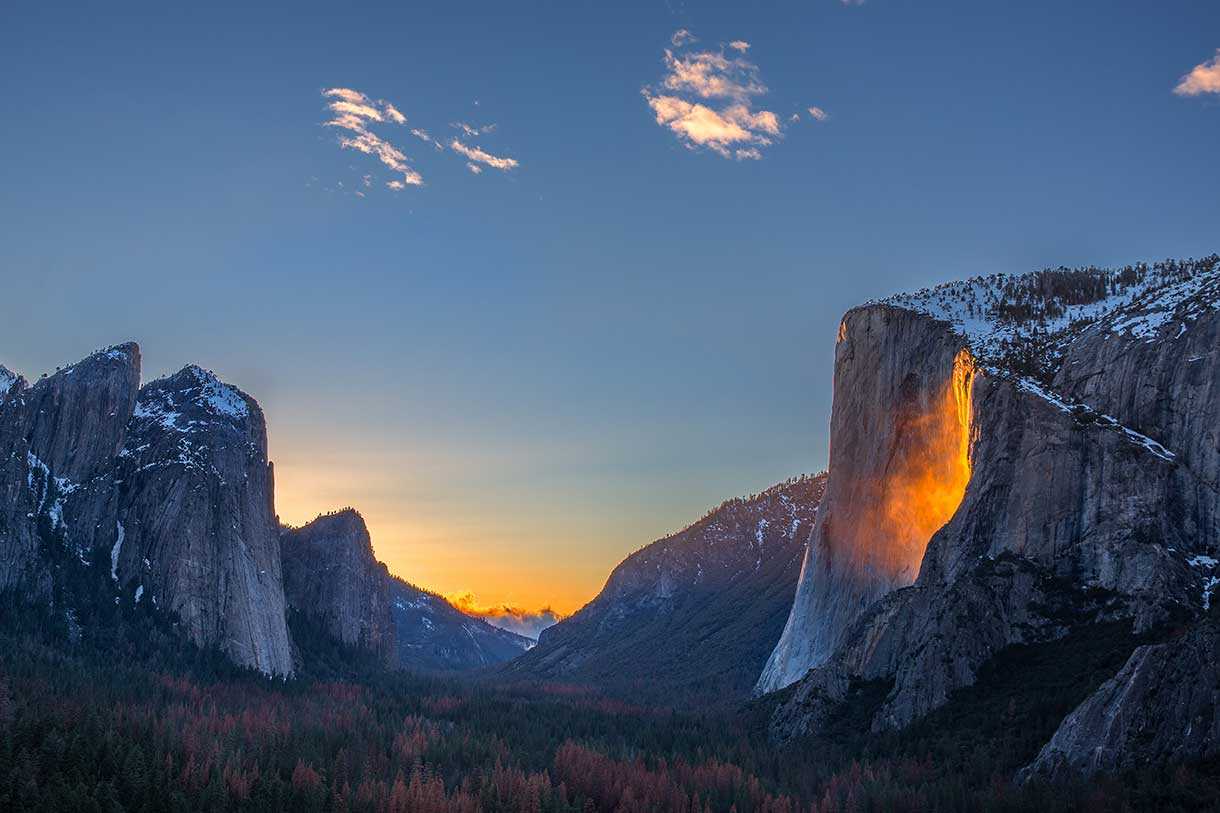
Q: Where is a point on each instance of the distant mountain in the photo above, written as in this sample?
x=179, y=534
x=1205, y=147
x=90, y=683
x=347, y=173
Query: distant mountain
x=431, y=634
x=116, y=497
x=332, y=579
x=691, y=618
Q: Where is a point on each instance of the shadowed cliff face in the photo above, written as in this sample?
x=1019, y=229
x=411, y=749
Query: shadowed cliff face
x=900, y=447
x=1160, y=707
x=195, y=529
x=58, y=442
x=169, y=483
x=330, y=573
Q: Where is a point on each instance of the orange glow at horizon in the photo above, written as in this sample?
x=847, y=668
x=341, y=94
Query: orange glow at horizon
x=441, y=556
x=505, y=556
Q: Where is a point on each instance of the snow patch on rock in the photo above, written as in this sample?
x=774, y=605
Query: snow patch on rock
x=115, y=551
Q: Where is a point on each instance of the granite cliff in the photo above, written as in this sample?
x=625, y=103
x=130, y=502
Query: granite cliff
x=1092, y=401
x=162, y=497
x=330, y=573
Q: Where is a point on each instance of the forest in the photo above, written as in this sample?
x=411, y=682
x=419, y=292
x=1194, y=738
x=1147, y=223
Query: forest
x=146, y=724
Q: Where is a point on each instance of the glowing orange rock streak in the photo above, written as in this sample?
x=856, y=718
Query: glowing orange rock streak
x=928, y=478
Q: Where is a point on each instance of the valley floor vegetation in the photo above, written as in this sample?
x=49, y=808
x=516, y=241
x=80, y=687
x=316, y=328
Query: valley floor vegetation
x=137, y=722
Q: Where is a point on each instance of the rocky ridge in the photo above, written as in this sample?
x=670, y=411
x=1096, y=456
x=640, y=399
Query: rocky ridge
x=1091, y=494
x=164, y=496
x=433, y=635
x=330, y=573
x=688, y=619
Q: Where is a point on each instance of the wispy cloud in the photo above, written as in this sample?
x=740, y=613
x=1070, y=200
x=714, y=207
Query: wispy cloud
x=682, y=37
x=1203, y=78
x=506, y=616
x=818, y=114
x=706, y=99
x=426, y=137
x=393, y=115
x=346, y=94
x=355, y=112
x=471, y=130
x=362, y=120
x=480, y=156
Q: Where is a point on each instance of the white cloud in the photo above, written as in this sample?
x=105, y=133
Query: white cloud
x=363, y=122
x=385, y=152
x=682, y=37
x=356, y=110
x=426, y=137
x=353, y=111
x=506, y=616
x=712, y=75
x=477, y=155
x=1203, y=78
x=346, y=94
x=818, y=114
x=471, y=130
x=706, y=99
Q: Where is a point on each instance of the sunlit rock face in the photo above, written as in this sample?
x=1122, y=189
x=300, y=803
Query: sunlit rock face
x=1092, y=498
x=899, y=464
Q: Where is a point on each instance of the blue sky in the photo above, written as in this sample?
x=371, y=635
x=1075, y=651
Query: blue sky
x=521, y=375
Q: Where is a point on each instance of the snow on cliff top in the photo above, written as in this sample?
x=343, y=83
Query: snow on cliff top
x=163, y=400
x=1000, y=312
x=218, y=396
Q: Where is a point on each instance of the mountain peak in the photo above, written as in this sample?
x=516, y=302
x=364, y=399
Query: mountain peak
x=217, y=396
x=7, y=380
x=192, y=397
x=334, y=529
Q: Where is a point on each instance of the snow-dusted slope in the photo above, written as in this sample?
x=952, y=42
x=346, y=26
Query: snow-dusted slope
x=430, y=634
x=1024, y=322
x=690, y=618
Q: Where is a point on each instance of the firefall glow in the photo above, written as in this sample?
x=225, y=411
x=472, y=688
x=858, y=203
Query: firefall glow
x=925, y=487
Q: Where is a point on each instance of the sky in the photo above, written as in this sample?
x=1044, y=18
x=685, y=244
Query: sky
x=597, y=293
